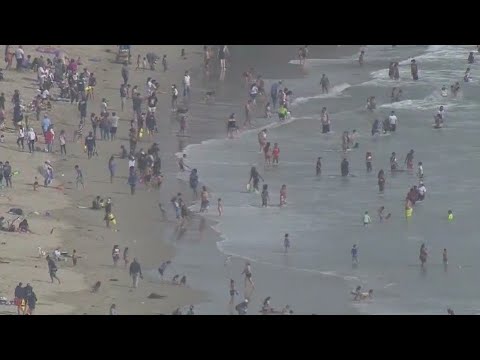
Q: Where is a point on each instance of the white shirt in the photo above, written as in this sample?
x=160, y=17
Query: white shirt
x=366, y=219
x=21, y=133
x=45, y=94
x=175, y=92
x=254, y=90
x=19, y=53
x=131, y=163
x=392, y=119
x=444, y=93
x=31, y=135
x=104, y=107
x=420, y=170
x=63, y=141
x=115, y=121
x=441, y=113
x=186, y=80
x=41, y=72
x=422, y=190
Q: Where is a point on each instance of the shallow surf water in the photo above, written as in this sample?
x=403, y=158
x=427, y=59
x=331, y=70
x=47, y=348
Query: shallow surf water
x=324, y=214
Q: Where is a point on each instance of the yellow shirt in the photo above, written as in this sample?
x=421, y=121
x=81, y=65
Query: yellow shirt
x=450, y=217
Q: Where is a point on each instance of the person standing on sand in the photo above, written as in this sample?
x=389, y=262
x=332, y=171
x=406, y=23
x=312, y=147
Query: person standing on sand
x=163, y=267
x=90, y=144
x=126, y=260
x=135, y=272
x=7, y=174
x=19, y=56
x=125, y=73
x=74, y=257
x=111, y=167
x=82, y=108
x=63, y=143
x=115, y=254
x=123, y=95
x=52, y=269
x=114, y=126
x=186, y=85
x=79, y=178
x=132, y=180
x=19, y=297
x=194, y=182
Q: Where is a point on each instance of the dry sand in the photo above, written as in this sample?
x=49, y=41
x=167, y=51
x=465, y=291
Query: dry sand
x=139, y=225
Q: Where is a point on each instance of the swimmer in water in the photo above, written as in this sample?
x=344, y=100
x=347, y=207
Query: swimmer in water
x=220, y=207
x=450, y=215
x=368, y=161
x=283, y=195
x=390, y=72
x=275, y=154
x=262, y=139
x=444, y=91
x=354, y=253
x=255, y=176
x=467, y=77
x=471, y=58
x=422, y=190
x=398, y=96
x=366, y=219
x=392, y=122
x=423, y=255
x=360, y=58
x=267, y=152
x=352, y=143
x=344, y=167
x=393, y=162
x=414, y=69
x=409, y=160
x=286, y=243
x=325, y=119
x=396, y=72
x=265, y=196
x=319, y=166
x=325, y=83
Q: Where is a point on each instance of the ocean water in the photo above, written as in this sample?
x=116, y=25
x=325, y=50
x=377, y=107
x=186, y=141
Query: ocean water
x=324, y=214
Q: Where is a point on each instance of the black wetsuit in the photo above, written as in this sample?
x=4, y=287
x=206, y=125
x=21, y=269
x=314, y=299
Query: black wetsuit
x=344, y=167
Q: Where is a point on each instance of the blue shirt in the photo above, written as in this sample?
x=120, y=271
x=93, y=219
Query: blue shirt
x=274, y=89
x=354, y=252
x=46, y=124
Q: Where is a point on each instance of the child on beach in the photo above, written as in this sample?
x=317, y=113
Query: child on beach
x=268, y=154
x=220, y=207
x=268, y=111
x=265, y=196
x=275, y=154
x=35, y=184
x=366, y=219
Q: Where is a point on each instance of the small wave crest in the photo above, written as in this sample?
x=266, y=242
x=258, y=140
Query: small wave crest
x=334, y=92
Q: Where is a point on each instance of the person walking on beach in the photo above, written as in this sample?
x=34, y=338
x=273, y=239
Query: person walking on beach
x=114, y=119
x=194, y=182
x=233, y=292
x=31, y=299
x=163, y=267
x=135, y=272
x=123, y=95
x=52, y=269
x=21, y=136
x=354, y=253
x=19, y=297
x=111, y=167
x=423, y=255
x=82, y=108
x=115, y=254
x=63, y=143
x=186, y=85
x=74, y=257
x=126, y=259
x=125, y=73
x=247, y=271
x=79, y=178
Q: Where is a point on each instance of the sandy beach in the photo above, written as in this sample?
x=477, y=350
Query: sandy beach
x=84, y=229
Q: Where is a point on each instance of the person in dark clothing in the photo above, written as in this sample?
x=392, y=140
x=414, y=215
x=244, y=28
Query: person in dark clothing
x=381, y=180
x=132, y=180
x=82, y=107
x=194, y=182
x=7, y=174
x=135, y=272
x=2, y=101
x=90, y=144
x=344, y=167
x=19, y=297
x=52, y=269
x=255, y=176
x=31, y=299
